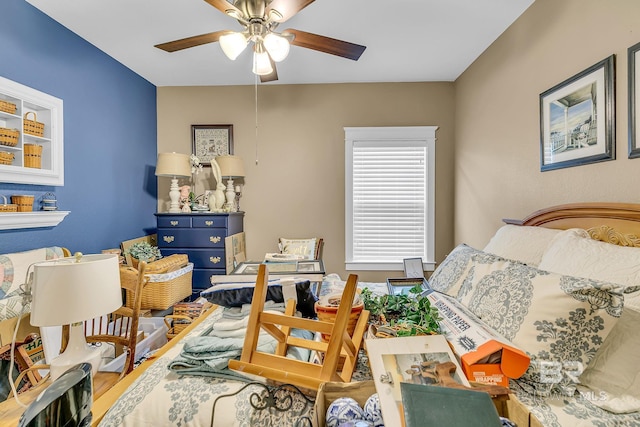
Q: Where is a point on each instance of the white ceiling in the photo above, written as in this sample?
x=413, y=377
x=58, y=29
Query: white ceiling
x=407, y=40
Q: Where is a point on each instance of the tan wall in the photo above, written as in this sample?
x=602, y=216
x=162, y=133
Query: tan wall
x=497, y=158
x=296, y=189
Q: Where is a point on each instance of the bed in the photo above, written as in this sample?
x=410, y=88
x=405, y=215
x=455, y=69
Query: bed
x=159, y=397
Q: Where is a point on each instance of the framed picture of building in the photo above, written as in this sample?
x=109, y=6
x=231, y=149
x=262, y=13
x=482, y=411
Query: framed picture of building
x=633, y=55
x=577, y=118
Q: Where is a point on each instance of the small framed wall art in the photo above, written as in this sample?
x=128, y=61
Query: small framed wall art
x=577, y=118
x=633, y=54
x=210, y=141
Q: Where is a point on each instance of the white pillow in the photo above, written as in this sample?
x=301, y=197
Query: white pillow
x=572, y=254
x=304, y=247
x=614, y=373
x=521, y=243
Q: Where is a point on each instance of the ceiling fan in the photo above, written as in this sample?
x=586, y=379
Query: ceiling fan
x=260, y=18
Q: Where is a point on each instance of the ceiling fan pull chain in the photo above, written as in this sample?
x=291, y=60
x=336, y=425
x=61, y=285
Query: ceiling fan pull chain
x=256, y=111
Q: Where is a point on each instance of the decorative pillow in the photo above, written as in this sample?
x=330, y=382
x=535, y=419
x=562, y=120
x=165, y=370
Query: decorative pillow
x=453, y=271
x=578, y=255
x=305, y=247
x=521, y=243
x=550, y=316
x=238, y=296
x=614, y=372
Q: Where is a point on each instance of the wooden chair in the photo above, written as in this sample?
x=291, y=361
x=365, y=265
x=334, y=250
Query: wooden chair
x=303, y=374
x=119, y=328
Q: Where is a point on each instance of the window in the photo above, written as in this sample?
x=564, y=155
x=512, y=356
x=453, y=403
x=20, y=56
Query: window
x=389, y=177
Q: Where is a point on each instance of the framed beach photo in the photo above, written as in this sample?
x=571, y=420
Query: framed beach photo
x=633, y=55
x=577, y=118
x=210, y=141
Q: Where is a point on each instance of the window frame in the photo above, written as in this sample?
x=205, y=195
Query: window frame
x=393, y=135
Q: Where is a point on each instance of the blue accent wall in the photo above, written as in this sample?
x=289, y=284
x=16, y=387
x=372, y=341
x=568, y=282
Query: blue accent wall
x=109, y=135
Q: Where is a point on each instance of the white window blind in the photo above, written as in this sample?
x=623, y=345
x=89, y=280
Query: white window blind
x=389, y=179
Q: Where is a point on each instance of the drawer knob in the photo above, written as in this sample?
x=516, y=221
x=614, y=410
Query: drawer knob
x=208, y=223
x=215, y=239
x=214, y=259
x=174, y=223
x=168, y=239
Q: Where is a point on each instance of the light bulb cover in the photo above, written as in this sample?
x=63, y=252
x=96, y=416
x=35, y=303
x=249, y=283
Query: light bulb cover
x=233, y=44
x=262, y=64
x=277, y=46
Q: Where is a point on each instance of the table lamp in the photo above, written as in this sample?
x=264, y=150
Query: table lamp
x=230, y=167
x=174, y=165
x=69, y=291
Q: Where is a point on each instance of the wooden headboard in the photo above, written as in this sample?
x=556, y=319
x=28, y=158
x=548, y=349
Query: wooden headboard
x=617, y=223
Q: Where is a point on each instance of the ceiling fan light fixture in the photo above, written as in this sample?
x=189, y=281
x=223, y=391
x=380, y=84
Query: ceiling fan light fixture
x=277, y=46
x=261, y=63
x=233, y=44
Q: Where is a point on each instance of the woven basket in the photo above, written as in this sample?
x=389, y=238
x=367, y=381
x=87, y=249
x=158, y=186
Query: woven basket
x=164, y=290
x=183, y=315
x=7, y=208
x=8, y=107
x=33, y=127
x=6, y=158
x=24, y=202
x=33, y=156
x=328, y=314
x=9, y=137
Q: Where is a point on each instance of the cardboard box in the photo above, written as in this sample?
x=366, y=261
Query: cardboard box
x=330, y=391
x=485, y=356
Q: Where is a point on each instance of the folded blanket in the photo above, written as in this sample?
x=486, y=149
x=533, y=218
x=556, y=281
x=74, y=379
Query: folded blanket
x=209, y=355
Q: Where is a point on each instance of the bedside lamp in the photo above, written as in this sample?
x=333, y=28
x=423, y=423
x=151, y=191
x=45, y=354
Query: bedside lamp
x=69, y=291
x=230, y=167
x=173, y=165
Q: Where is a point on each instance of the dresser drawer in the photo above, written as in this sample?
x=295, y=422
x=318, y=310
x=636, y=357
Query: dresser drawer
x=201, y=258
x=191, y=238
x=176, y=221
x=202, y=279
x=209, y=221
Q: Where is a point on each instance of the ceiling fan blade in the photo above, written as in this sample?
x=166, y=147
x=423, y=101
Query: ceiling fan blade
x=271, y=77
x=191, y=41
x=286, y=8
x=326, y=44
x=225, y=7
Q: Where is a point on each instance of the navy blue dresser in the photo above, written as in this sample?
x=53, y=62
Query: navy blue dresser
x=200, y=236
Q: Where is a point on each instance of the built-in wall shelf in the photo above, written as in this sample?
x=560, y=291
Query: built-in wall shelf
x=10, y=221
x=36, y=156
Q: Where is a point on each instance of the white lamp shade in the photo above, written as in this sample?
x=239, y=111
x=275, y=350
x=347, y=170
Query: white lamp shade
x=277, y=46
x=261, y=64
x=230, y=166
x=233, y=44
x=75, y=289
x=173, y=165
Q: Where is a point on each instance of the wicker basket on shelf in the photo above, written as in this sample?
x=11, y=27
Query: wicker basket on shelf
x=33, y=127
x=33, y=156
x=4, y=207
x=9, y=137
x=6, y=158
x=23, y=201
x=8, y=107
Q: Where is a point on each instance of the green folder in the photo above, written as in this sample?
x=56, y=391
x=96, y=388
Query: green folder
x=427, y=405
